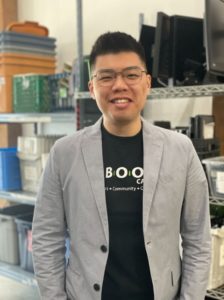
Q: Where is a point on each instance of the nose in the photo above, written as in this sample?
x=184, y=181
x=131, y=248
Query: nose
x=119, y=83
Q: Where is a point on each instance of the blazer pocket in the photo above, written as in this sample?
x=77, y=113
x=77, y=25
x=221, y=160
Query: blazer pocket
x=175, y=285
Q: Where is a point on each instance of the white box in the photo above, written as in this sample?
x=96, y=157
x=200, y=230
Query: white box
x=30, y=169
x=36, y=145
x=33, y=145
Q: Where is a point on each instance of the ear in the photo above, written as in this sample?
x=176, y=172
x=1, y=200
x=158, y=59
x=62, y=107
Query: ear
x=91, y=89
x=149, y=81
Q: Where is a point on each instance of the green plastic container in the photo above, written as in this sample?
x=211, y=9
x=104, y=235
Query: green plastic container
x=31, y=93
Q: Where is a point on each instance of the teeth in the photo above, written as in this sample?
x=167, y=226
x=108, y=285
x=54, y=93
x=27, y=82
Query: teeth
x=121, y=101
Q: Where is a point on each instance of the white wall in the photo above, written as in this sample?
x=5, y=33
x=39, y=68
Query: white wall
x=98, y=16
x=177, y=111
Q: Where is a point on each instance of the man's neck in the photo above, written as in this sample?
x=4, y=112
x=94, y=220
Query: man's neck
x=123, y=129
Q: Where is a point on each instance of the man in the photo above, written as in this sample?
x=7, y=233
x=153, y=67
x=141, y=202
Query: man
x=125, y=190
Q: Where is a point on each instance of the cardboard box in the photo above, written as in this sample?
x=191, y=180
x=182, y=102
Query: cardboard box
x=9, y=134
x=8, y=13
x=218, y=112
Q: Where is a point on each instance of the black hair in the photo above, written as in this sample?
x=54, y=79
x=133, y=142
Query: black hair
x=115, y=42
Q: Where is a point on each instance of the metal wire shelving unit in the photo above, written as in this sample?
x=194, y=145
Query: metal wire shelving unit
x=175, y=92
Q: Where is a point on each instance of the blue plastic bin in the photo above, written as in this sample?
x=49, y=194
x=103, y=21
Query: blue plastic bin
x=10, y=178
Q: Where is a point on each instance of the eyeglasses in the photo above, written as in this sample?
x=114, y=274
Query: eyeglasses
x=131, y=75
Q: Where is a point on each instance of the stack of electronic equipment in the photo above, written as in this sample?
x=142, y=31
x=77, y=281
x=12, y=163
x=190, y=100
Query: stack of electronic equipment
x=24, y=48
x=32, y=154
x=202, y=136
x=201, y=132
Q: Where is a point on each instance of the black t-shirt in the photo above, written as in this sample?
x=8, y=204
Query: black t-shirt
x=127, y=275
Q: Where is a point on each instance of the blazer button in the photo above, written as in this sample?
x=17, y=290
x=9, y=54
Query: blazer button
x=96, y=287
x=103, y=248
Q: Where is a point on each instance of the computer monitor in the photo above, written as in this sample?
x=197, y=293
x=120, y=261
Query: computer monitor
x=161, y=50
x=187, y=50
x=214, y=36
x=179, y=55
x=147, y=39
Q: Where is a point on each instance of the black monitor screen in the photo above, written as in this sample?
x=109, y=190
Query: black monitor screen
x=188, y=54
x=214, y=36
x=161, y=51
x=146, y=39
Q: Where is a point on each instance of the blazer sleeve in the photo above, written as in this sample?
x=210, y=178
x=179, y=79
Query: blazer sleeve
x=195, y=231
x=49, y=234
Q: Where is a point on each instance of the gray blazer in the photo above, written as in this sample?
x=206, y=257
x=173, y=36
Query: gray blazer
x=175, y=201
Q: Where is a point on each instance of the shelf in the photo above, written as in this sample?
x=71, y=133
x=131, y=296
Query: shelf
x=176, y=92
x=217, y=294
x=65, y=117
x=156, y=93
x=16, y=273
x=187, y=91
x=216, y=201
x=19, y=197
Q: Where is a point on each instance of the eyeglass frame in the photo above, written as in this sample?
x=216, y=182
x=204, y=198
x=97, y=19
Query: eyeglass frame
x=115, y=74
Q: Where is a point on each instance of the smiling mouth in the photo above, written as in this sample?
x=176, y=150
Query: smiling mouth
x=120, y=101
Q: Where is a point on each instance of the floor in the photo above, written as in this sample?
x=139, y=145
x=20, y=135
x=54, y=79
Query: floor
x=13, y=290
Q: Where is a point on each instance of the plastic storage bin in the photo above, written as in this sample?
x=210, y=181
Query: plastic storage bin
x=28, y=27
x=16, y=38
x=9, y=250
x=31, y=93
x=215, y=173
x=36, y=145
x=216, y=276
x=61, y=100
x=24, y=229
x=30, y=169
x=14, y=42
x=17, y=63
x=30, y=151
x=9, y=169
x=21, y=63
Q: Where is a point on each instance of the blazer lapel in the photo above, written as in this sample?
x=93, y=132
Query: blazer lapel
x=93, y=157
x=153, y=149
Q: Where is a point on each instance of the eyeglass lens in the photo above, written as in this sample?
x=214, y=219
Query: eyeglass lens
x=130, y=76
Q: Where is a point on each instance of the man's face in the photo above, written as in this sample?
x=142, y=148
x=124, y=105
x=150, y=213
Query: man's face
x=121, y=100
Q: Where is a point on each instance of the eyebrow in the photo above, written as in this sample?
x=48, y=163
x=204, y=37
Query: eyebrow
x=112, y=70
